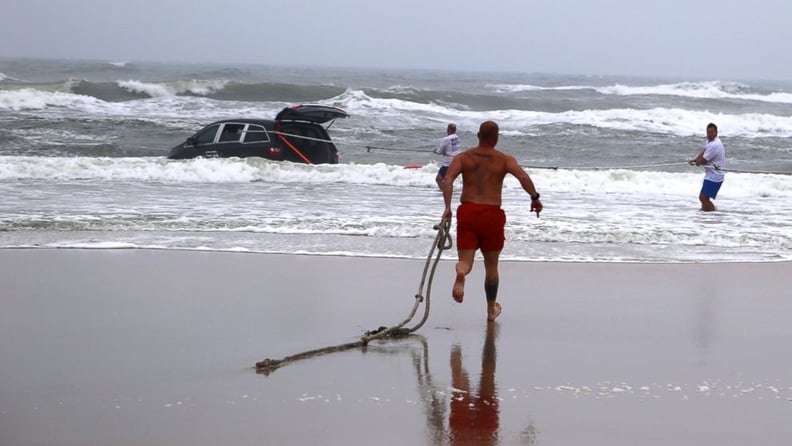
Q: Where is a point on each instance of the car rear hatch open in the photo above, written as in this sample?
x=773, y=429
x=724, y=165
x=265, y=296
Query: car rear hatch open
x=317, y=114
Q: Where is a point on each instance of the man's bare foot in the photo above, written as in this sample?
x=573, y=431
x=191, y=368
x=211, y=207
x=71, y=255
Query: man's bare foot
x=459, y=288
x=495, y=312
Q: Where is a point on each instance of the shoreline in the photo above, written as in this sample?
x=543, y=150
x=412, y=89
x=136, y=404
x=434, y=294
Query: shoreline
x=383, y=257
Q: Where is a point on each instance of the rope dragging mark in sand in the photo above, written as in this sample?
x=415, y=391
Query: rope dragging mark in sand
x=441, y=242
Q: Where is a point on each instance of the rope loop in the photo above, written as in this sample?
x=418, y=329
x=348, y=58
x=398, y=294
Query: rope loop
x=444, y=236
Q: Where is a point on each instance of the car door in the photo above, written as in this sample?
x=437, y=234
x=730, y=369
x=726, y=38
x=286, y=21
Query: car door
x=206, y=136
x=229, y=139
x=200, y=144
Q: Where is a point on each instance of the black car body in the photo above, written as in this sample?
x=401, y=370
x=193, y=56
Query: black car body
x=296, y=134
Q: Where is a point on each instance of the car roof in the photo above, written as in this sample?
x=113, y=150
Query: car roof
x=264, y=122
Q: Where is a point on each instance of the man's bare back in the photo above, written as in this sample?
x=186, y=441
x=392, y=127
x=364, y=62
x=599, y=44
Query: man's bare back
x=483, y=170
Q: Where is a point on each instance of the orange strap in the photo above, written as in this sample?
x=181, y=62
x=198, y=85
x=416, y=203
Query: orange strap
x=305, y=158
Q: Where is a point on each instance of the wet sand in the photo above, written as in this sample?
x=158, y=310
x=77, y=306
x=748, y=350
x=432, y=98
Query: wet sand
x=136, y=347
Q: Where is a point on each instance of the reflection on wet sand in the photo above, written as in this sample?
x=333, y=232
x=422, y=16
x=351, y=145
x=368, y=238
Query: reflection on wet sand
x=433, y=398
x=474, y=417
x=472, y=413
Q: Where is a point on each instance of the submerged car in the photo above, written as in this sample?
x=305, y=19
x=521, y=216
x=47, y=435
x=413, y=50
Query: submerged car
x=297, y=134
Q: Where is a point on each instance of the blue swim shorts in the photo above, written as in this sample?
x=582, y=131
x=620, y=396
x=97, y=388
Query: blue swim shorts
x=710, y=188
x=442, y=171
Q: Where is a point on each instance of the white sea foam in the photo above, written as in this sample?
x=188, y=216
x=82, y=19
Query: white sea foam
x=698, y=90
x=382, y=210
x=5, y=77
x=397, y=114
x=230, y=170
x=234, y=170
x=156, y=90
x=33, y=99
x=179, y=111
x=153, y=90
x=516, y=88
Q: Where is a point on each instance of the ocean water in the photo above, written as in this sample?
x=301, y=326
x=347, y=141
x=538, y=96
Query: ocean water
x=83, y=145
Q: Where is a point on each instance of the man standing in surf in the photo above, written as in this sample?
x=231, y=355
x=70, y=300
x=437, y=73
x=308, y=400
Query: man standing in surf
x=449, y=147
x=713, y=157
x=480, y=219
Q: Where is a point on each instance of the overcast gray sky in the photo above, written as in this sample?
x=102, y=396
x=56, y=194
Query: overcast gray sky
x=720, y=39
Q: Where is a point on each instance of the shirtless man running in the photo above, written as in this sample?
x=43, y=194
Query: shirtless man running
x=480, y=219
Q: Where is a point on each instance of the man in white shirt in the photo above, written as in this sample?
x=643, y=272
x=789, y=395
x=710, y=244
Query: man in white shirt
x=449, y=147
x=713, y=157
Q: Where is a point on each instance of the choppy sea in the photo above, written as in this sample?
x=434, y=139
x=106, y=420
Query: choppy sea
x=83, y=145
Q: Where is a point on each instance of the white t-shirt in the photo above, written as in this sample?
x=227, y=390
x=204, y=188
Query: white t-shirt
x=715, y=154
x=449, y=147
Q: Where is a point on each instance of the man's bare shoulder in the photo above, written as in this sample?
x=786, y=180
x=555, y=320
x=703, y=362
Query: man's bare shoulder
x=501, y=158
x=470, y=154
x=508, y=157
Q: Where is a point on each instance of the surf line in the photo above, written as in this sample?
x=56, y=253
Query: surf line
x=441, y=242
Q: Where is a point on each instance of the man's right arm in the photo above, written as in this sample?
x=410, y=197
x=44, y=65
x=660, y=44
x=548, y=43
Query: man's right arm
x=699, y=159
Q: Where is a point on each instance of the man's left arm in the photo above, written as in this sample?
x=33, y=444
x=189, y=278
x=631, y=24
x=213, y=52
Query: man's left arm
x=442, y=148
x=527, y=184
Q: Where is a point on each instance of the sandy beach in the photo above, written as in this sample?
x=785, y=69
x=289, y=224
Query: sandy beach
x=137, y=347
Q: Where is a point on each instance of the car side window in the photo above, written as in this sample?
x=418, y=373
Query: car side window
x=207, y=135
x=231, y=132
x=256, y=133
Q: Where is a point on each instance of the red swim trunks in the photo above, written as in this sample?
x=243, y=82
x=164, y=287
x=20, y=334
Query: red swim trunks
x=480, y=226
